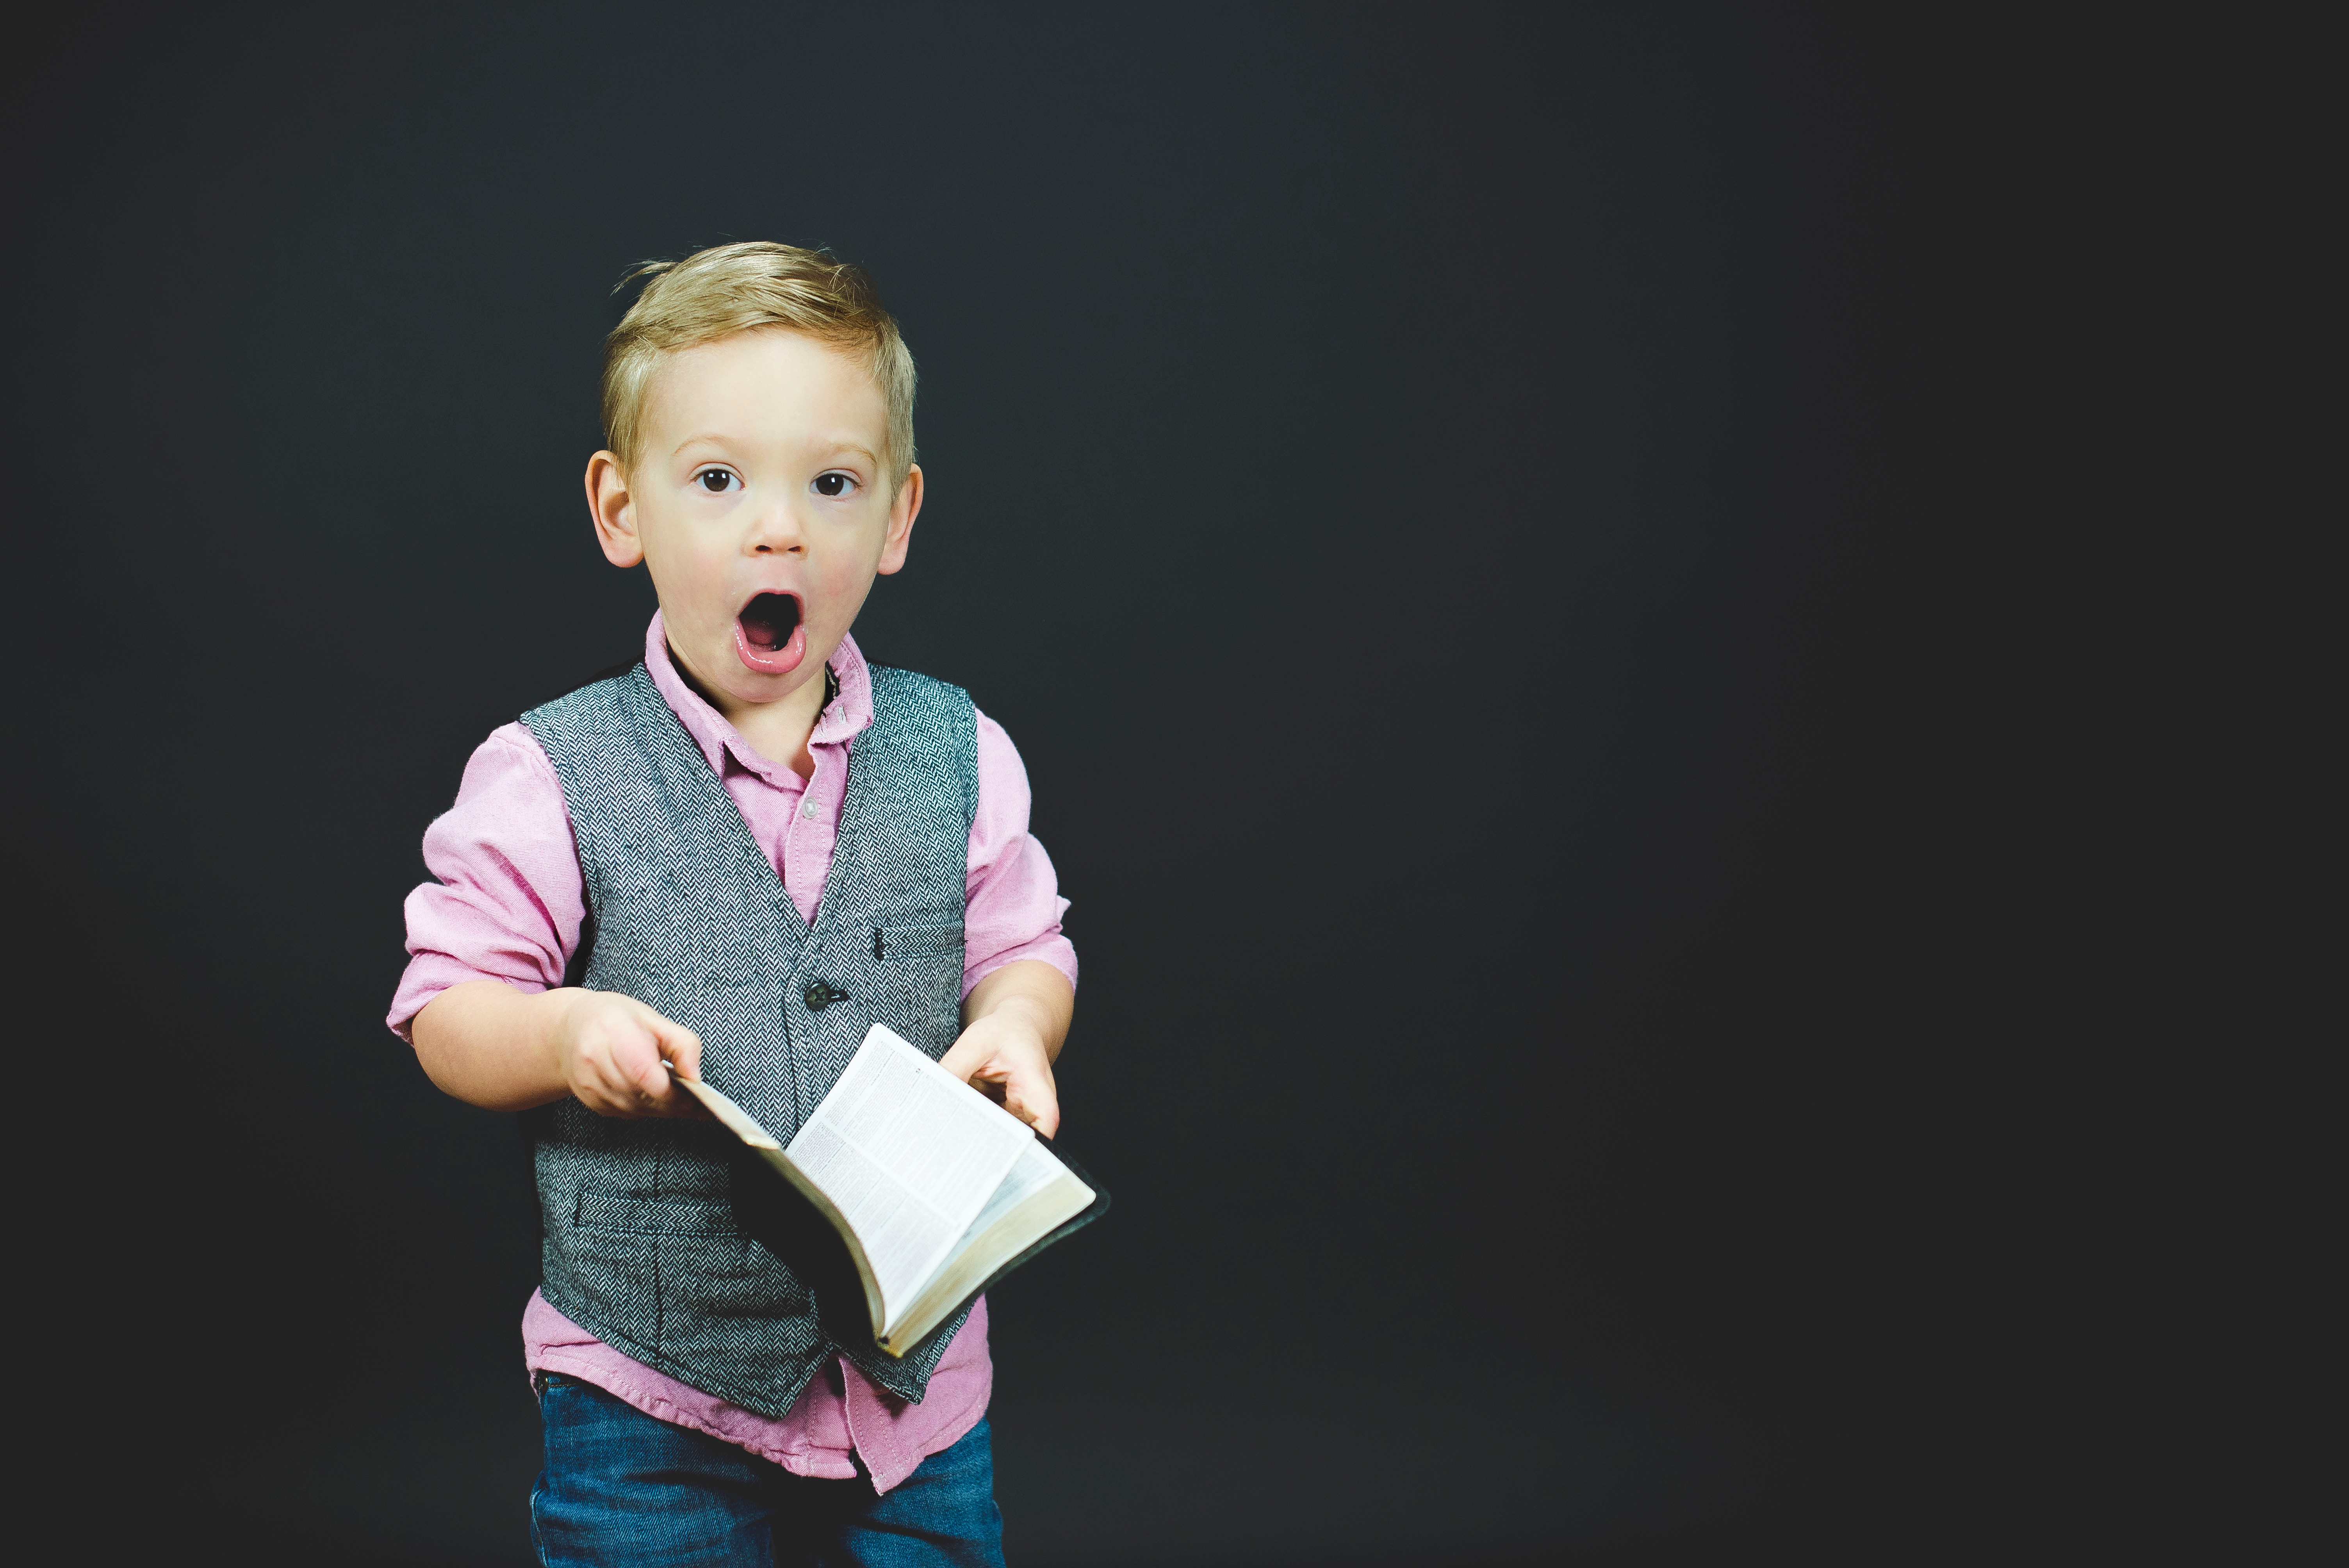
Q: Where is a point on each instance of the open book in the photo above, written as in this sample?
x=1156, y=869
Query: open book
x=936, y=1188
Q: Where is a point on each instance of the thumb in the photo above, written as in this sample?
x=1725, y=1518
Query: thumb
x=1032, y=1097
x=680, y=1048
x=679, y=1045
x=965, y=1057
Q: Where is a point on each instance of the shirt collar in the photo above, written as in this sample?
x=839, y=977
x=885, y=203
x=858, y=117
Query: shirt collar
x=841, y=721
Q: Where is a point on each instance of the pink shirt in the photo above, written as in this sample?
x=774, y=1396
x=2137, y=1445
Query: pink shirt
x=508, y=906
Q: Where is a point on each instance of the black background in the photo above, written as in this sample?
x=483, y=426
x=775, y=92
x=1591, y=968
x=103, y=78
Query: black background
x=1445, y=501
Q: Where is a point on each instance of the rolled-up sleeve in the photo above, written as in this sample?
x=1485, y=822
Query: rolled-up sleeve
x=506, y=901
x=1011, y=898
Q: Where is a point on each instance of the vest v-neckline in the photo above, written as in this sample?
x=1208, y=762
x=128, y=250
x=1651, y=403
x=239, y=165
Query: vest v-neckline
x=748, y=840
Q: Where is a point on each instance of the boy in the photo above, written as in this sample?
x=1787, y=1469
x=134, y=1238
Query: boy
x=734, y=858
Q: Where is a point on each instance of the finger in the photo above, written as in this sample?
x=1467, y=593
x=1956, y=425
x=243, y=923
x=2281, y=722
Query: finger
x=638, y=1077
x=683, y=1103
x=678, y=1053
x=615, y=1091
x=1032, y=1097
x=649, y=1080
x=965, y=1056
x=682, y=1047
x=599, y=1079
x=681, y=1065
x=606, y=1092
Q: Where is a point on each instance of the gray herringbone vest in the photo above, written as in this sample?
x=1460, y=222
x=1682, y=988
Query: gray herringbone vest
x=642, y=1244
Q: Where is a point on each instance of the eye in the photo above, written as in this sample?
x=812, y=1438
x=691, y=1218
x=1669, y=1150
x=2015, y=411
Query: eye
x=834, y=483
x=717, y=481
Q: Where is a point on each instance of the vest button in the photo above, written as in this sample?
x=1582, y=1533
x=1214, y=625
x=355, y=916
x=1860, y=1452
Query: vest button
x=819, y=995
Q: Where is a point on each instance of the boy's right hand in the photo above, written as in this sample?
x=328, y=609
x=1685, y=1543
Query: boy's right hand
x=612, y=1054
x=493, y=1044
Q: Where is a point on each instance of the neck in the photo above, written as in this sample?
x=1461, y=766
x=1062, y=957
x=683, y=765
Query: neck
x=777, y=730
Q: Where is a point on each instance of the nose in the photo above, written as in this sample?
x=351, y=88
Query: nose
x=775, y=531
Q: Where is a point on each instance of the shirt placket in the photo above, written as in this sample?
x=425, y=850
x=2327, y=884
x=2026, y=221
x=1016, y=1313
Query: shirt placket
x=796, y=838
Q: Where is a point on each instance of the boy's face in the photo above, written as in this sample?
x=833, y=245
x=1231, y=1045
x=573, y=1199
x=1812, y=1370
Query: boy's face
x=760, y=504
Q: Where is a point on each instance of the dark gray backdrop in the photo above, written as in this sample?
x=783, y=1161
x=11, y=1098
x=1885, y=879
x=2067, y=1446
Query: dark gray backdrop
x=1424, y=487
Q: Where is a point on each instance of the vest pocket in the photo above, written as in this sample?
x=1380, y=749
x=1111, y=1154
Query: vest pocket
x=902, y=941
x=680, y=1278
x=655, y=1216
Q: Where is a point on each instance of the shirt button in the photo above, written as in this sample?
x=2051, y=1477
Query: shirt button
x=808, y=811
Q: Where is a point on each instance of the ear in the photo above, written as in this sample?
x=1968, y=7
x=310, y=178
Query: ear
x=903, y=510
x=608, y=500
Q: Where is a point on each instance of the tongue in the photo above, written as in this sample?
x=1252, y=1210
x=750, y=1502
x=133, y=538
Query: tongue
x=768, y=621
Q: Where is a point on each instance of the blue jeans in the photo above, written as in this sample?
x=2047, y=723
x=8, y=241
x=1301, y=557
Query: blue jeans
x=620, y=1486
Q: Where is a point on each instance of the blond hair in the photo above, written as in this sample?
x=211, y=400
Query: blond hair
x=728, y=289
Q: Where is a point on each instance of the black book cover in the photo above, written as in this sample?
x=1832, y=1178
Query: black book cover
x=779, y=1218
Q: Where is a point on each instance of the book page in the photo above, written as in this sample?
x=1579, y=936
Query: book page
x=1037, y=1195
x=1030, y=1173
x=909, y=1154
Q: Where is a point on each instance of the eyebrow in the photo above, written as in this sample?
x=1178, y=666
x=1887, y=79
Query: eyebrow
x=714, y=440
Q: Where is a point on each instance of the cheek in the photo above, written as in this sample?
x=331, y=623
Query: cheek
x=844, y=582
x=687, y=567
x=846, y=573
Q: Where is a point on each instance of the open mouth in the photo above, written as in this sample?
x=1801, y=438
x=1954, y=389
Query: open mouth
x=768, y=634
x=768, y=621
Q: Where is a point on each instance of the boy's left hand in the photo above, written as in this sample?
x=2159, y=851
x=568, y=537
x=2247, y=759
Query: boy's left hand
x=1014, y=1022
